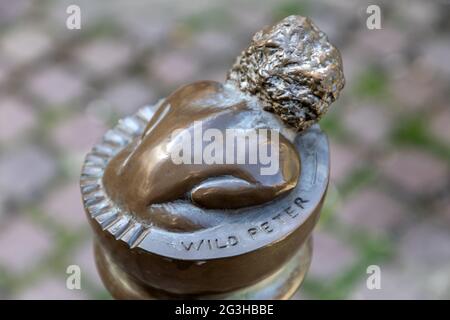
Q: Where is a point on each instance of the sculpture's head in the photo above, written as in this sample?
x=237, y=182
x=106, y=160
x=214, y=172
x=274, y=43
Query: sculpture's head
x=293, y=69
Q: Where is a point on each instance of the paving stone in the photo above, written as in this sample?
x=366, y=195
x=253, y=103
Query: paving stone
x=52, y=289
x=248, y=20
x=64, y=206
x=355, y=63
x=435, y=54
x=128, y=95
x=437, y=284
x=16, y=118
x=79, y=134
x=442, y=209
x=331, y=257
x=25, y=172
x=332, y=23
x=425, y=244
x=56, y=85
x=173, y=69
x=23, y=45
x=344, y=159
x=3, y=209
x=383, y=42
x=440, y=125
x=102, y=57
x=5, y=69
x=215, y=44
x=100, y=109
x=12, y=10
x=84, y=257
x=146, y=33
x=414, y=88
x=415, y=171
x=370, y=124
x=420, y=15
x=185, y=9
x=372, y=210
x=22, y=245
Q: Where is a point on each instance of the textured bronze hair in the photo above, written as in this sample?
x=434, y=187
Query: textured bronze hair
x=293, y=69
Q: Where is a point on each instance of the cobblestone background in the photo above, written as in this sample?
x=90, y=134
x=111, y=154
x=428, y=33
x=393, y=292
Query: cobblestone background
x=389, y=199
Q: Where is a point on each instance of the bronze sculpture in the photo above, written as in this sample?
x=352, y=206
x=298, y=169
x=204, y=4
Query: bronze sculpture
x=220, y=229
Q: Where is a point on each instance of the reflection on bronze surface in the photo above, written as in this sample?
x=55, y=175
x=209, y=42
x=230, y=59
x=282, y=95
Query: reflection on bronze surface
x=143, y=174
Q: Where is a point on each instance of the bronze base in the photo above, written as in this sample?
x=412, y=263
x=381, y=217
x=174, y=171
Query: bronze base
x=281, y=285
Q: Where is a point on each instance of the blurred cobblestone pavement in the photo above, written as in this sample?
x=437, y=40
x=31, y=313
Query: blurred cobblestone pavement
x=389, y=198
